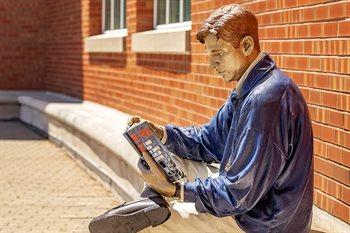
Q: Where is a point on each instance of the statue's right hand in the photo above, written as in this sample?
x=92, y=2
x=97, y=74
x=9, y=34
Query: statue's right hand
x=134, y=120
x=155, y=128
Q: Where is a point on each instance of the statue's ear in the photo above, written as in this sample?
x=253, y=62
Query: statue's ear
x=247, y=45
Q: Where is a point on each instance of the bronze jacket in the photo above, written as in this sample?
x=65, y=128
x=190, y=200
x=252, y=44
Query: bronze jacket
x=262, y=138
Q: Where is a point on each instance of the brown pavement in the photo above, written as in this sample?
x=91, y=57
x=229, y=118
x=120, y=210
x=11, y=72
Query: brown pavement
x=42, y=189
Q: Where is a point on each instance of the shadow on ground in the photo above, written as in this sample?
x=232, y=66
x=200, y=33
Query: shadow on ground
x=13, y=130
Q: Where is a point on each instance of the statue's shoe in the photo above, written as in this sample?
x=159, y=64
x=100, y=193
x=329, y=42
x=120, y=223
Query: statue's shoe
x=132, y=217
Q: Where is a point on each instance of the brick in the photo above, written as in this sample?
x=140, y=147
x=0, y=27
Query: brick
x=340, y=138
x=320, y=148
x=342, y=174
x=321, y=12
x=343, y=66
x=329, y=134
x=347, y=121
x=317, y=198
x=347, y=139
x=287, y=47
x=314, y=64
x=301, y=31
x=309, y=14
x=336, y=118
x=325, y=183
x=343, y=102
x=346, y=82
x=346, y=194
x=315, y=97
x=312, y=111
x=321, y=81
x=343, y=28
x=337, y=83
x=324, y=167
x=337, y=10
x=334, y=189
x=335, y=153
x=321, y=199
x=297, y=77
x=304, y=63
x=346, y=157
x=330, y=29
x=317, y=181
x=298, y=47
x=316, y=30
x=322, y=115
x=317, y=130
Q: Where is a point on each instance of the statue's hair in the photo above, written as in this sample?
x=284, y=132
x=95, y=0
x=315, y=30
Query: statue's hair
x=231, y=23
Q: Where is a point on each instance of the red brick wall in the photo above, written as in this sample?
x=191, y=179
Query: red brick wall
x=22, y=40
x=64, y=46
x=309, y=40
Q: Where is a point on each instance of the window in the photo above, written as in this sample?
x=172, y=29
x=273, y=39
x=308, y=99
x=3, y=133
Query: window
x=174, y=12
x=113, y=15
x=172, y=23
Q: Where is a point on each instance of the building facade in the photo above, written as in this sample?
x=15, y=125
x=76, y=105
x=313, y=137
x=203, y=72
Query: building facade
x=142, y=57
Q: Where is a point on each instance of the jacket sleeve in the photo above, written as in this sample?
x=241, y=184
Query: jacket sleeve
x=255, y=163
x=205, y=143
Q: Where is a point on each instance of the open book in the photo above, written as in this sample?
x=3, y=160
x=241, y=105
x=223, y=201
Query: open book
x=143, y=139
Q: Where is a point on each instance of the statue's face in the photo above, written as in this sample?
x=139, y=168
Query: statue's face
x=228, y=61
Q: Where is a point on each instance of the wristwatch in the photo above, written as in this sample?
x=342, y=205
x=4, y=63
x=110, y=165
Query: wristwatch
x=179, y=191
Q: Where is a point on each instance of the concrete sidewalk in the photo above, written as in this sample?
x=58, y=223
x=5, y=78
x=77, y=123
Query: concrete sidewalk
x=42, y=189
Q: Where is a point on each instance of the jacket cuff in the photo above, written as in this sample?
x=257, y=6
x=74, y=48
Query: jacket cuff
x=165, y=135
x=190, y=194
x=168, y=129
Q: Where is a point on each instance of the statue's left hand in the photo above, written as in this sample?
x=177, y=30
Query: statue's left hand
x=155, y=177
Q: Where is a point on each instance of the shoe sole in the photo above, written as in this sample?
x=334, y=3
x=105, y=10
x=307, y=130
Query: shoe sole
x=151, y=216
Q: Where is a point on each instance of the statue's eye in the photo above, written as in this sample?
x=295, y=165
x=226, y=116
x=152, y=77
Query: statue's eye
x=218, y=53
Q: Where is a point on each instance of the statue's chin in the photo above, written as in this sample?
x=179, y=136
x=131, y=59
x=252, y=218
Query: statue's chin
x=227, y=78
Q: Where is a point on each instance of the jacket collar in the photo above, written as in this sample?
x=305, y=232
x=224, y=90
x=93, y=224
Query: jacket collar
x=245, y=74
x=259, y=71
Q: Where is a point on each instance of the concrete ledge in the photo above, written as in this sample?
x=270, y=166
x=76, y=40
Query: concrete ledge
x=174, y=41
x=9, y=106
x=323, y=222
x=105, y=43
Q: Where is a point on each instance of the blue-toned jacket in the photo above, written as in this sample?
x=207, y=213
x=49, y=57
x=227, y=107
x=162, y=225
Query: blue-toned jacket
x=262, y=138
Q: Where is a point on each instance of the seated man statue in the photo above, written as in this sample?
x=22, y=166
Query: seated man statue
x=261, y=137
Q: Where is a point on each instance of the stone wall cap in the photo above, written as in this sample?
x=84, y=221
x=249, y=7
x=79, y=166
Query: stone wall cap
x=104, y=125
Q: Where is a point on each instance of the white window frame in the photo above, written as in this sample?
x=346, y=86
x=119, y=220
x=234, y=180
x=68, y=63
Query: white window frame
x=186, y=25
x=121, y=31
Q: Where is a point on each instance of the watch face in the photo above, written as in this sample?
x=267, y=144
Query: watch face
x=177, y=190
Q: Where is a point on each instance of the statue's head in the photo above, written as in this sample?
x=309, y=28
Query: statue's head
x=230, y=34
x=231, y=23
